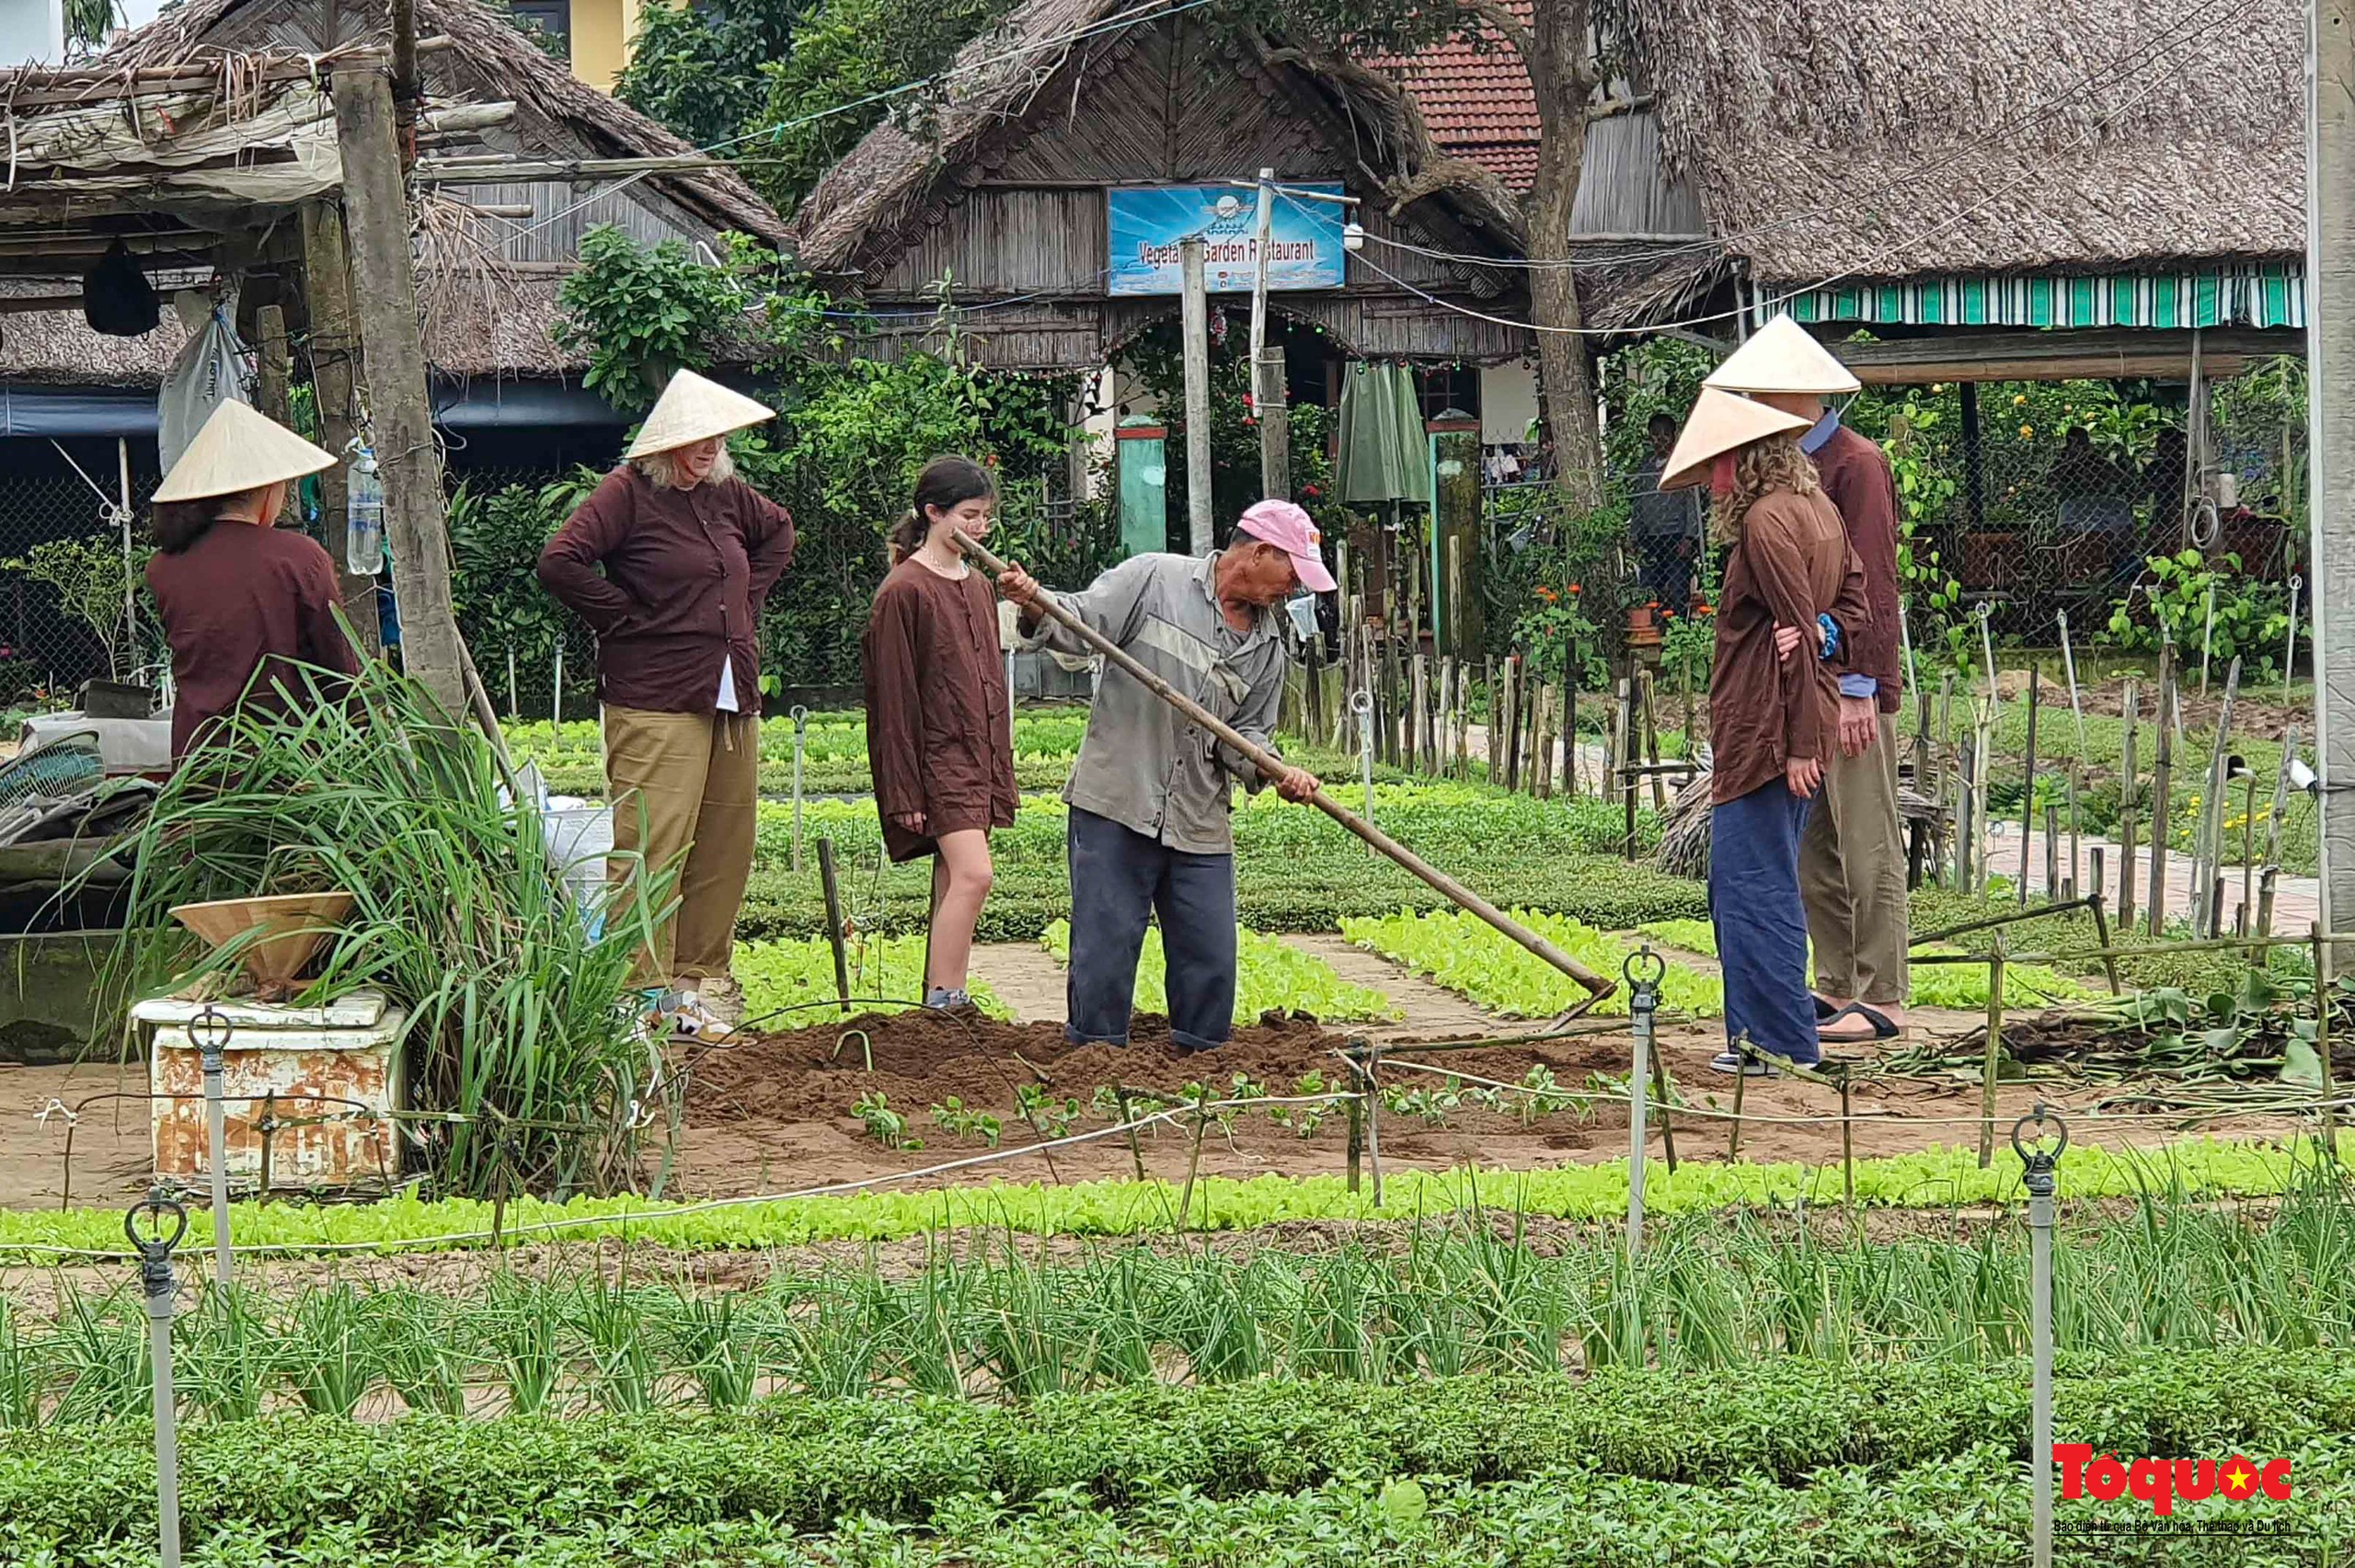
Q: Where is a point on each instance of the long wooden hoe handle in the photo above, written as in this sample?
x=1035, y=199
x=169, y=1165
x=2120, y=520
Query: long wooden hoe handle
x=1267, y=763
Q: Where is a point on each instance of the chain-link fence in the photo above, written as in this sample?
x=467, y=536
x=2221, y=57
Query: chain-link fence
x=70, y=609
x=2127, y=508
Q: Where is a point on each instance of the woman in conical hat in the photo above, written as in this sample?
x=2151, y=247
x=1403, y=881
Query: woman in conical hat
x=1793, y=589
x=237, y=593
x=669, y=561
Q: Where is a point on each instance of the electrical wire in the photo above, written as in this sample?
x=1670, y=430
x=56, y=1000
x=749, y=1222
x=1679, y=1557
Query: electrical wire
x=1866, y=268
x=1061, y=40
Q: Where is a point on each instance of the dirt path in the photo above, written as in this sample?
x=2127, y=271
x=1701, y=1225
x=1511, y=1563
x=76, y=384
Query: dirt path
x=1026, y=978
x=1432, y=1012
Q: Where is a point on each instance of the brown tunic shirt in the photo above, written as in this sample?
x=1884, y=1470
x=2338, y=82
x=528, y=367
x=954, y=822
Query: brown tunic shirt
x=238, y=600
x=1856, y=476
x=684, y=575
x=936, y=708
x=1792, y=564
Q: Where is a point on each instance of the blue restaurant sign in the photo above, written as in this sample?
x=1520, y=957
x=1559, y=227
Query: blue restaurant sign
x=1146, y=223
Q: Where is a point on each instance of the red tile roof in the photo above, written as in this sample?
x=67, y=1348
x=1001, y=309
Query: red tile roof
x=1477, y=102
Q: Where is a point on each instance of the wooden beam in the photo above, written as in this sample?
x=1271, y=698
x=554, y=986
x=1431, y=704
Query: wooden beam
x=484, y=171
x=385, y=303
x=335, y=382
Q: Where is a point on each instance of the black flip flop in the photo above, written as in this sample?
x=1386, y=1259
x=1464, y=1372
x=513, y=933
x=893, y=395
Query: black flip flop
x=1824, y=1011
x=1882, y=1028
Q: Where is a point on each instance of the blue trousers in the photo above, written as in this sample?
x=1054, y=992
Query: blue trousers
x=1760, y=925
x=1120, y=877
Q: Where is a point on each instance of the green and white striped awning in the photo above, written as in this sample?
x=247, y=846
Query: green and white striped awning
x=2266, y=294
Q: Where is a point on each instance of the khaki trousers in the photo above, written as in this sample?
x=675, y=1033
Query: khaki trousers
x=686, y=788
x=1852, y=877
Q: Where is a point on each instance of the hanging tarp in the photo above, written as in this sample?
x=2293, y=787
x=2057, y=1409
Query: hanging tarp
x=2265, y=294
x=199, y=148
x=1386, y=455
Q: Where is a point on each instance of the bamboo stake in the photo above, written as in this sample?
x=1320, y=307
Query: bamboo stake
x=1489, y=674
x=2208, y=850
x=1267, y=763
x=2162, y=777
x=1651, y=742
x=2027, y=797
x=2322, y=1010
x=2126, y=791
x=1994, y=1057
x=1419, y=724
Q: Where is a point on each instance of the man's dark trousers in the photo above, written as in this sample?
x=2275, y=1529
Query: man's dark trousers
x=1117, y=877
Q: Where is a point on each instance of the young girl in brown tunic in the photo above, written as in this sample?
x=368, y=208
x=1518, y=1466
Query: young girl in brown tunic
x=939, y=715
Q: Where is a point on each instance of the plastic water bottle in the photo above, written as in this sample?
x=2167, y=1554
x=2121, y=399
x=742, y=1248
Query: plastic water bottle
x=364, y=513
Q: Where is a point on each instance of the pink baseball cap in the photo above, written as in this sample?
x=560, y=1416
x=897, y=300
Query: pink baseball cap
x=1288, y=528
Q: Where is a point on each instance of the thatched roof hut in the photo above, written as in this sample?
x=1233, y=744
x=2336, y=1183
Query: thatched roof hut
x=1839, y=139
x=488, y=281
x=1004, y=186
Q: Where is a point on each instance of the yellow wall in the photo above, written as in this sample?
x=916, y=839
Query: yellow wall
x=603, y=32
x=598, y=40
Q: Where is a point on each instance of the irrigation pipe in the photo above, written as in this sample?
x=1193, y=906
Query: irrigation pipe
x=1268, y=763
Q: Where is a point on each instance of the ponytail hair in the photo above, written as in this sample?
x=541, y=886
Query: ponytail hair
x=945, y=483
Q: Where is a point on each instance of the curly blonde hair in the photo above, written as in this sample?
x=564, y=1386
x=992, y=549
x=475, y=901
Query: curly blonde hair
x=1775, y=462
x=662, y=469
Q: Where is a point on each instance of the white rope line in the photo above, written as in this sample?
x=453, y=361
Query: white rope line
x=1884, y=1118
x=1188, y=1110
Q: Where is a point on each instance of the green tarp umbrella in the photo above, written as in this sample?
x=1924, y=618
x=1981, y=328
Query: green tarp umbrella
x=1385, y=456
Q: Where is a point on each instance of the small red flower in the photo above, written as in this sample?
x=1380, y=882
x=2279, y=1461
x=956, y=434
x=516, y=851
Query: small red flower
x=1574, y=588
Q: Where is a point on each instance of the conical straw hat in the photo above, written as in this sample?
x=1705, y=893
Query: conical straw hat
x=1720, y=423
x=1782, y=356
x=692, y=408
x=240, y=449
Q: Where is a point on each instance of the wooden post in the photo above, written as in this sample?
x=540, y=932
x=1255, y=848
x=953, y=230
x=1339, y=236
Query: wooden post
x=1268, y=394
x=271, y=371
x=2101, y=929
x=334, y=357
x=1195, y=345
x=832, y=890
x=385, y=300
x=1994, y=1057
x=2126, y=786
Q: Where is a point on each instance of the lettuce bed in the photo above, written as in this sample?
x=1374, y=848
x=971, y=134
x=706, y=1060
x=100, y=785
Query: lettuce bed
x=1933, y=1179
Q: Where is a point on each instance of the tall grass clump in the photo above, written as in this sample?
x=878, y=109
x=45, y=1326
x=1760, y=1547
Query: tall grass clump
x=516, y=1019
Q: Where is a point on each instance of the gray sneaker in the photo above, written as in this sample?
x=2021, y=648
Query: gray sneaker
x=945, y=998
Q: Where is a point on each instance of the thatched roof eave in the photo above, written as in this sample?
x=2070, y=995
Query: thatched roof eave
x=1853, y=139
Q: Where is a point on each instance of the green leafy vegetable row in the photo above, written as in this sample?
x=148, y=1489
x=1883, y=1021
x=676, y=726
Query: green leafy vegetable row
x=1272, y=976
x=1933, y=1179
x=800, y=974
x=1943, y=1437
x=1466, y=954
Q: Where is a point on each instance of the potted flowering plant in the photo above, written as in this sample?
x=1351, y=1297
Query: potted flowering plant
x=1554, y=631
